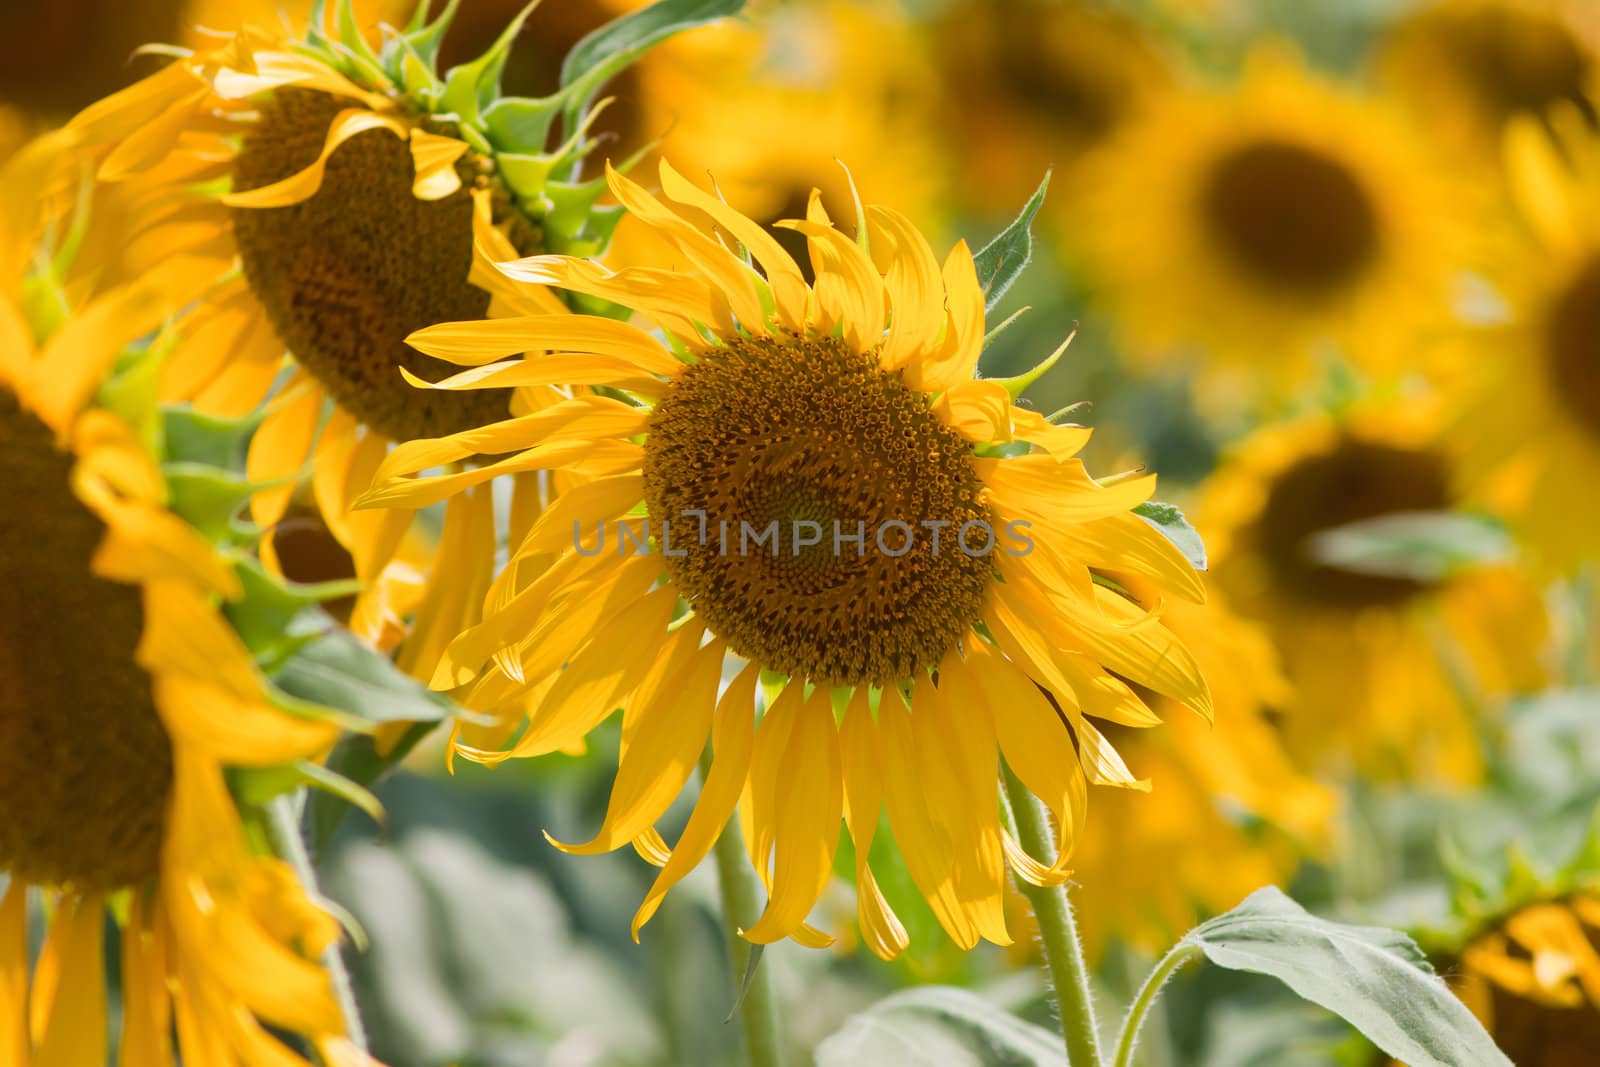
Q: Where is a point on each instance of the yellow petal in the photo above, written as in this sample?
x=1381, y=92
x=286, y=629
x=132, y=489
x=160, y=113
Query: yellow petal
x=146, y=1002
x=472, y=344
x=433, y=158
x=303, y=184
x=732, y=738
x=75, y=1029
x=281, y=446
x=914, y=287
x=14, y=1042
x=882, y=930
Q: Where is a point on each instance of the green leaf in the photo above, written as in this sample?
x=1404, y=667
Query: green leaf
x=356, y=759
x=1003, y=259
x=1423, y=546
x=1375, y=979
x=338, y=671
x=1175, y=528
x=939, y=1025
x=613, y=46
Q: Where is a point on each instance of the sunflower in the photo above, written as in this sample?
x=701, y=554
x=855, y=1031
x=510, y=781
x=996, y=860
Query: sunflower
x=1529, y=427
x=1034, y=85
x=1255, y=223
x=125, y=697
x=1534, y=981
x=839, y=421
x=1467, y=67
x=1386, y=667
x=331, y=199
x=843, y=80
x=1228, y=810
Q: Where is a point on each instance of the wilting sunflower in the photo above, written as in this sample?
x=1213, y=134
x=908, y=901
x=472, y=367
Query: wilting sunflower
x=1467, y=67
x=331, y=198
x=843, y=80
x=1388, y=669
x=1034, y=85
x=1227, y=811
x=1530, y=424
x=1534, y=981
x=123, y=697
x=894, y=671
x=1254, y=223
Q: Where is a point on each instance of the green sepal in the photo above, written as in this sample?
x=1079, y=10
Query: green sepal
x=259, y=785
x=571, y=209
x=131, y=391
x=211, y=500
x=520, y=124
x=471, y=87
x=1171, y=523
x=526, y=175
x=351, y=37
x=1003, y=259
x=424, y=38
x=1018, y=384
x=274, y=618
x=355, y=758
x=189, y=436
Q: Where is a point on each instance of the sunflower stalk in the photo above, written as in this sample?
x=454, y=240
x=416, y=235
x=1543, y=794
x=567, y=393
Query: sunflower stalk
x=1058, y=930
x=757, y=1008
x=283, y=828
x=1128, y=1039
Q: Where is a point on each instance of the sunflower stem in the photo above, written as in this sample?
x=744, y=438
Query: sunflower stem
x=1128, y=1039
x=283, y=827
x=758, y=1010
x=1058, y=930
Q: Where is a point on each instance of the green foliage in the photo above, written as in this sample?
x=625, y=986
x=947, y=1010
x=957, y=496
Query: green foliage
x=1424, y=546
x=336, y=670
x=939, y=1025
x=1175, y=528
x=1376, y=979
x=1003, y=259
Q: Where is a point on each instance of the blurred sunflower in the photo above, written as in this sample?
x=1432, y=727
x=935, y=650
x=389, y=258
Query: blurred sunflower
x=327, y=208
x=1382, y=664
x=112, y=759
x=1467, y=67
x=1534, y=981
x=1257, y=221
x=842, y=80
x=1529, y=428
x=772, y=403
x=1035, y=85
x=1228, y=810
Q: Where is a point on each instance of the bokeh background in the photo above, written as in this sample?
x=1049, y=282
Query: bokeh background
x=1333, y=268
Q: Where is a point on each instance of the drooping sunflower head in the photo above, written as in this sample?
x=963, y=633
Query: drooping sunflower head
x=125, y=695
x=1376, y=647
x=807, y=481
x=1468, y=67
x=1231, y=222
x=331, y=195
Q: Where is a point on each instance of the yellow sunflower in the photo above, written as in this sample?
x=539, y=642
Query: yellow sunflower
x=330, y=199
x=1534, y=981
x=1386, y=668
x=1529, y=428
x=1252, y=224
x=841, y=422
x=1467, y=67
x=1228, y=810
x=1036, y=85
x=124, y=695
x=842, y=80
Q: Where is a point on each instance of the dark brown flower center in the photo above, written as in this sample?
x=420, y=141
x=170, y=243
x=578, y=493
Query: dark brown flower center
x=1290, y=218
x=85, y=764
x=771, y=436
x=346, y=275
x=1572, y=340
x=1355, y=481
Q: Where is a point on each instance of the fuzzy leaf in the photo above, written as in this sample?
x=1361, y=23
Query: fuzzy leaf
x=1376, y=979
x=943, y=1025
x=1003, y=259
x=338, y=671
x=1175, y=528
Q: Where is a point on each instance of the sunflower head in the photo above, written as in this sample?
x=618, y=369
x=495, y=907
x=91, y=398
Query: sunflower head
x=806, y=479
x=1470, y=66
x=1227, y=221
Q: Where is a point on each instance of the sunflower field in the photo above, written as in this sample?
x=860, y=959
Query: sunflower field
x=740, y=533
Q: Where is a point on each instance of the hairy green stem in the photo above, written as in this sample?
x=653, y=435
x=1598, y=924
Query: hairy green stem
x=1128, y=1039
x=758, y=1009
x=283, y=826
x=1058, y=930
